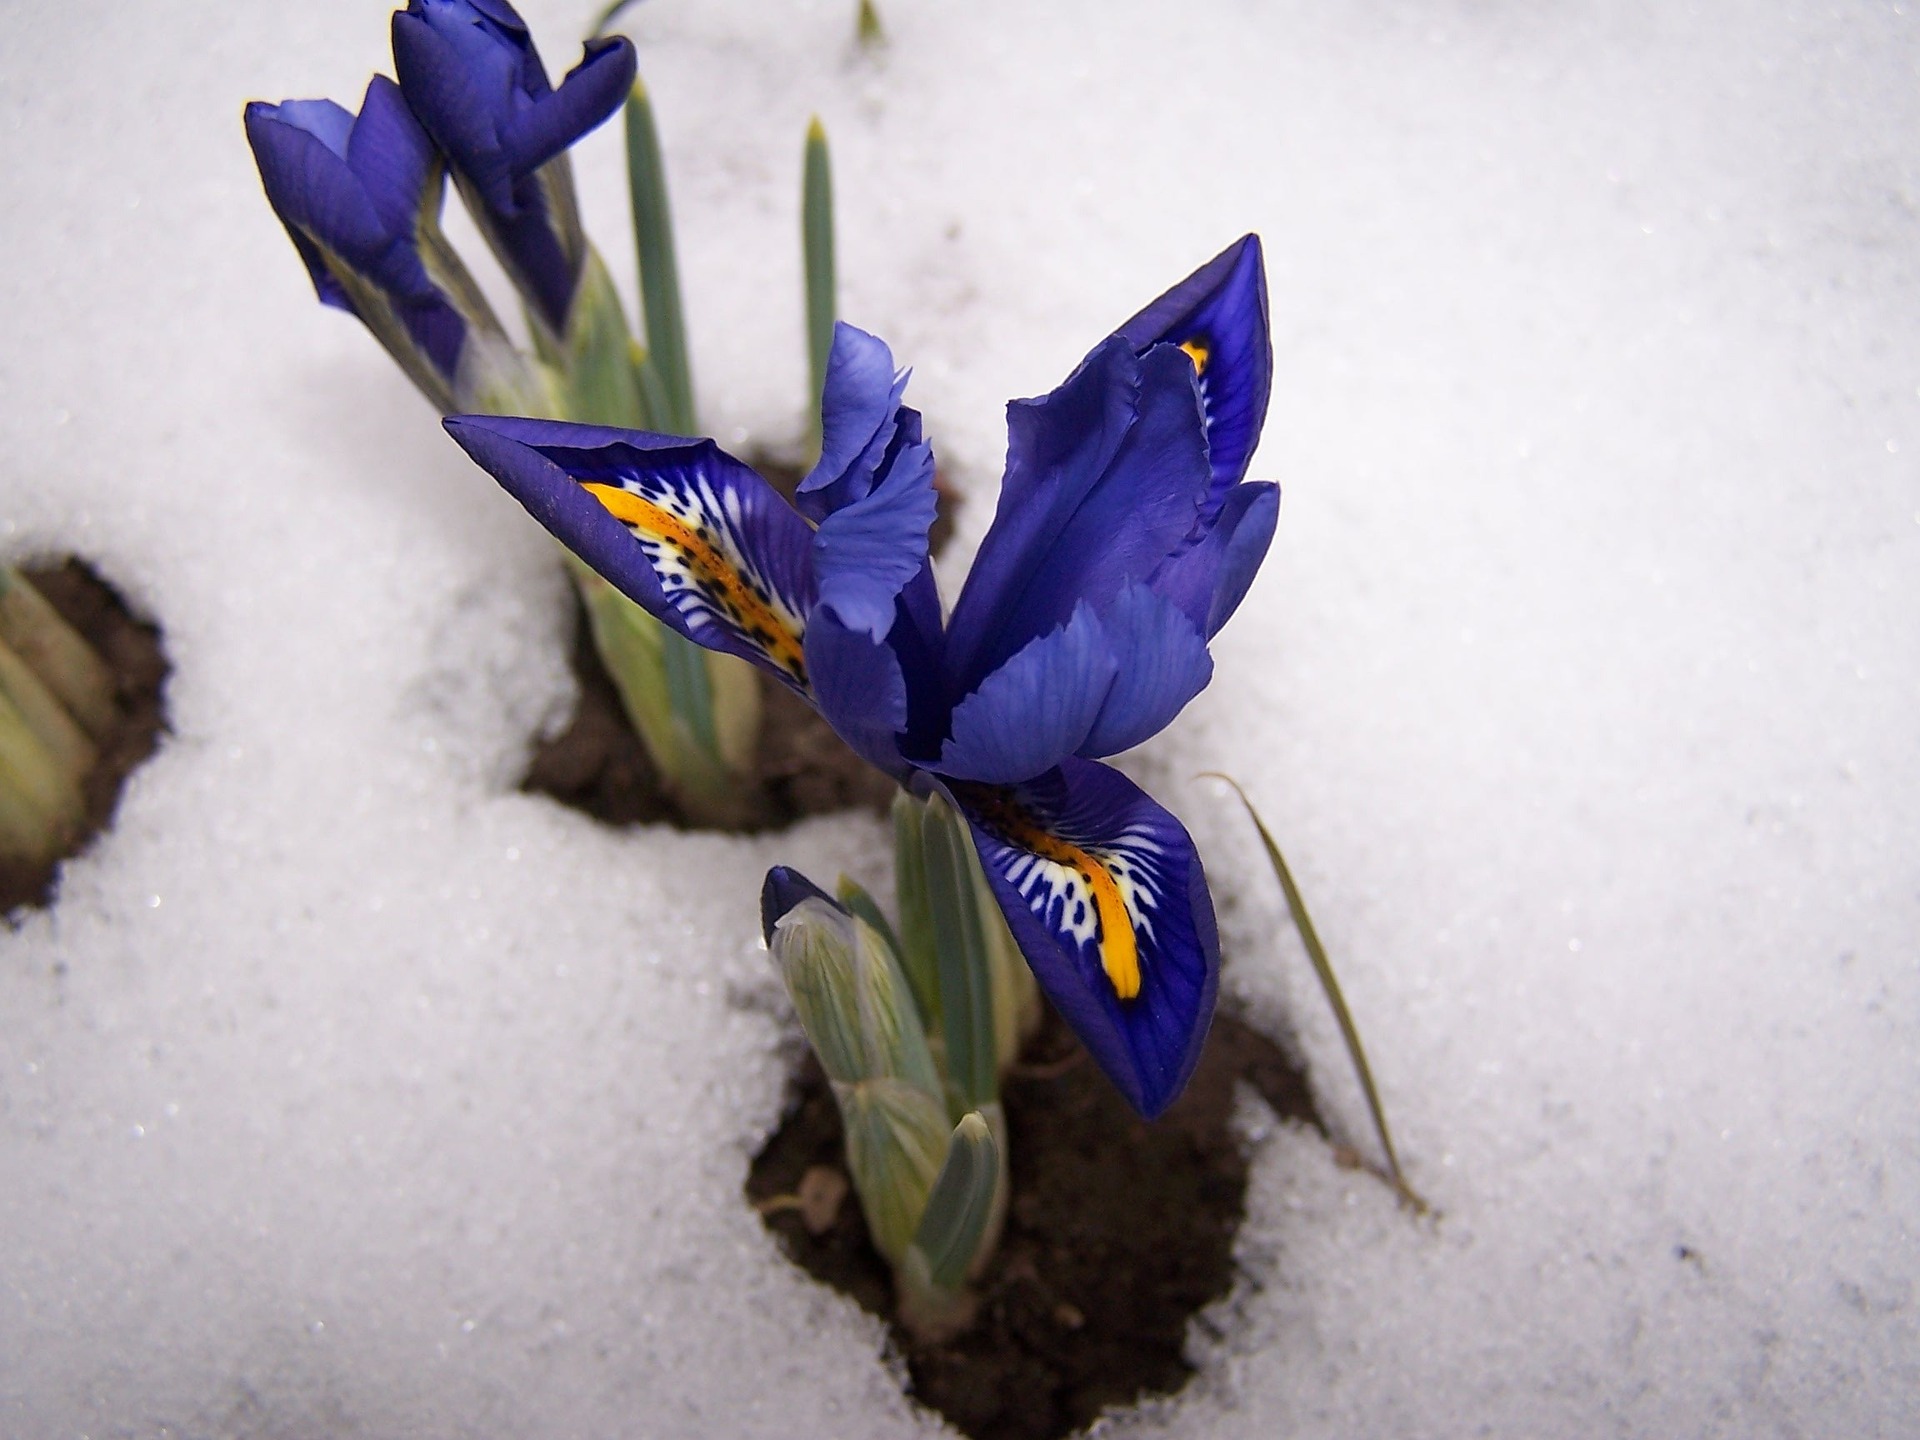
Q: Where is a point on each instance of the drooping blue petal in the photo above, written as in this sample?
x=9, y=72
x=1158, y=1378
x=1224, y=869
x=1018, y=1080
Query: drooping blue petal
x=860, y=689
x=783, y=889
x=1036, y=709
x=1105, y=894
x=687, y=532
x=858, y=406
x=1161, y=663
x=1209, y=579
x=1218, y=316
x=585, y=100
x=866, y=551
x=1105, y=479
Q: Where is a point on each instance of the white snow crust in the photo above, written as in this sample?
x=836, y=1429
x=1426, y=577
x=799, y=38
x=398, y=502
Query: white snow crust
x=348, y=1092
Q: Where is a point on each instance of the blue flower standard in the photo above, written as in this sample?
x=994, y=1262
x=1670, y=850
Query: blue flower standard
x=1125, y=537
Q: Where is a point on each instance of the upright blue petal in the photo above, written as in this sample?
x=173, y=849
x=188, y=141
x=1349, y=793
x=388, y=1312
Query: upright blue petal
x=859, y=411
x=359, y=197
x=1105, y=894
x=681, y=528
x=472, y=75
x=1105, y=479
x=867, y=550
x=1218, y=317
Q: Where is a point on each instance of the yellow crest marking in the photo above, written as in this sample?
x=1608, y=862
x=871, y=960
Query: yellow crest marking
x=1198, y=352
x=752, y=614
x=1119, y=948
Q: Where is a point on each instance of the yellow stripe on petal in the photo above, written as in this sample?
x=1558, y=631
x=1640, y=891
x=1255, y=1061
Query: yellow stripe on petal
x=1054, y=872
x=703, y=581
x=1198, y=352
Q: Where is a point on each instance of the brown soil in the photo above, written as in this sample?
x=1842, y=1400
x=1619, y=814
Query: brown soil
x=597, y=763
x=133, y=652
x=1119, y=1231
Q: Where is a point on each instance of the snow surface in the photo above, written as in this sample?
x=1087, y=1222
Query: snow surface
x=348, y=1092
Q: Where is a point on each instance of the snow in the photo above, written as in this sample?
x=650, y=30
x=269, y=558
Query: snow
x=347, y=1091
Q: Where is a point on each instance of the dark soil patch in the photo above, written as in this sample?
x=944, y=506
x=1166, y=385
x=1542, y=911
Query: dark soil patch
x=599, y=765
x=1119, y=1231
x=132, y=650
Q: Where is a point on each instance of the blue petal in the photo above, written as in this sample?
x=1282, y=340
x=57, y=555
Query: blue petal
x=1105, y=894
x=358, y=260
x=865, y=552
x=1105, y=479
x=460, y=83
x=1209, y=579
x=687, y=532
x=1036, y=709
x=586, y=99
x=860, y=690
x=918, y=638
x=1162, y=663
x=1218, y=315
x=326, y=120
x=394, y=159
x=783, y=889
x=860, y=397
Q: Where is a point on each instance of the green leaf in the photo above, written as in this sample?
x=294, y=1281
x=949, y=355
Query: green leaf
x=659, y=271
x=851, y=998
x=816, y=245
x=966, y=980
x=852, y=894
x=602, y=386
x=896, y=1137
x=961, y=1205
x=665, y=685
x=918, y=956
x=1323, y=968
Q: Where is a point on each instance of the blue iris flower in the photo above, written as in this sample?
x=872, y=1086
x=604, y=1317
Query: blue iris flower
x=360, y=197
x=1124, y=538
x=470, y=71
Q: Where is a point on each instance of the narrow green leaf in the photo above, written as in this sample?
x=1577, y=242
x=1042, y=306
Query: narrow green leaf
x=1323, y=968
x=55, y=652
x=659, y=271
x=966, y=980
x=816, y=245
x=866, y=25
x=641, y=655
x=852, y=894
x=961, y=1204
x=602, y=386
x=917, y=953
x=685, y=666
